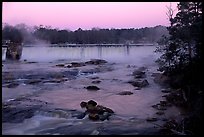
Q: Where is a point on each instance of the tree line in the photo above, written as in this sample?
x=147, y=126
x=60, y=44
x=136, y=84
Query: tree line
x=182, y=60
x=28, y=35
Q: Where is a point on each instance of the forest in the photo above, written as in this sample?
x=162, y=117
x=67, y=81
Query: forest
x=29, y=35
x=182, y=62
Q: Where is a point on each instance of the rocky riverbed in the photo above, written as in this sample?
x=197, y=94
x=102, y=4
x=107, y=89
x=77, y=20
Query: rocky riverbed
x=44, y=98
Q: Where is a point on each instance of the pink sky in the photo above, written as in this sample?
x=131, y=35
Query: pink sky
x=86, y=15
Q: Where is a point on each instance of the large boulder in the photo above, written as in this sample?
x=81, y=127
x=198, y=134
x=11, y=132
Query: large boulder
x=139, y=73
x=96, y=112
x=139, y=83
x=96, y=62
x=14, y=51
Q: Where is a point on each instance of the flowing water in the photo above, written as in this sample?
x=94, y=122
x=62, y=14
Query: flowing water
x=130, y=110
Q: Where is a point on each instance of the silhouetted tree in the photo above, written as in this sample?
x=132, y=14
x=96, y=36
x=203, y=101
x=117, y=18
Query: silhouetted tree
x=11, y=33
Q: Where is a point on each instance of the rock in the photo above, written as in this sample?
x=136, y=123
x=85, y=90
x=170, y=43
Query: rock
x=154, y=106
x=137, y=88
x=14, y=51
x=60, y=65
x=138, y=74
x=128, y=66
x=104, y=116
x=96, y=82
x=95, y=111
x=80, y=116
x=91, y=102
x=139, y=83
x=94, y=77
x=83, y=104
x=152, y=119
x=12, y=85
x=33, y=81
x=76, y=64
x=93, y=116
x=55, y=80
x=163, y=103
x=104, y=109
x=16, y=115
x=96, y=62
x=125, y=93
x=166, y=90
x=92, y=88
x=159, y=107
x=160, y=113
x=30, y=62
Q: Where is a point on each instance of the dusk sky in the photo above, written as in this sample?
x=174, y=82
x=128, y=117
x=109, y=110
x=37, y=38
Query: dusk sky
x=86, y=15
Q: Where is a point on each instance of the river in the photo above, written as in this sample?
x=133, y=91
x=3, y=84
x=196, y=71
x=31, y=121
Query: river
x=40, y=62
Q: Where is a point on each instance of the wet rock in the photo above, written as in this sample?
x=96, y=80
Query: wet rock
x=93, y=116
x=79, y=116
x=96, y=112
x=139, y=73
x=125, y=93
x=103, y=68
x=14, y=51
x=55, y=80
x=139, y=83
x=16, y=115
x=12, y=85
x=151, y=119
x=160, y=113
x=159, y=107
x=96, y=82
x=137, y=88
x=87, y=72
x=94, y=77
x=104, y=116
x=92, y=102
x=104, y=109
x=166, y=90
x=33, y=81
x=60, y=65
x=8, y=76
x=96, y=62
x=92, y=88
x=128, y=66
x=76, y=64
x=165, y=103
x=31, y=62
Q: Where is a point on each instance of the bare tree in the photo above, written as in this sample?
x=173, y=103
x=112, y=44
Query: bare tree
x=170, y=13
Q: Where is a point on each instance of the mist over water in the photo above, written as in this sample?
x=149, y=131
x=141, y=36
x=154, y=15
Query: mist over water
x=118, y=54
x=69, y=94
